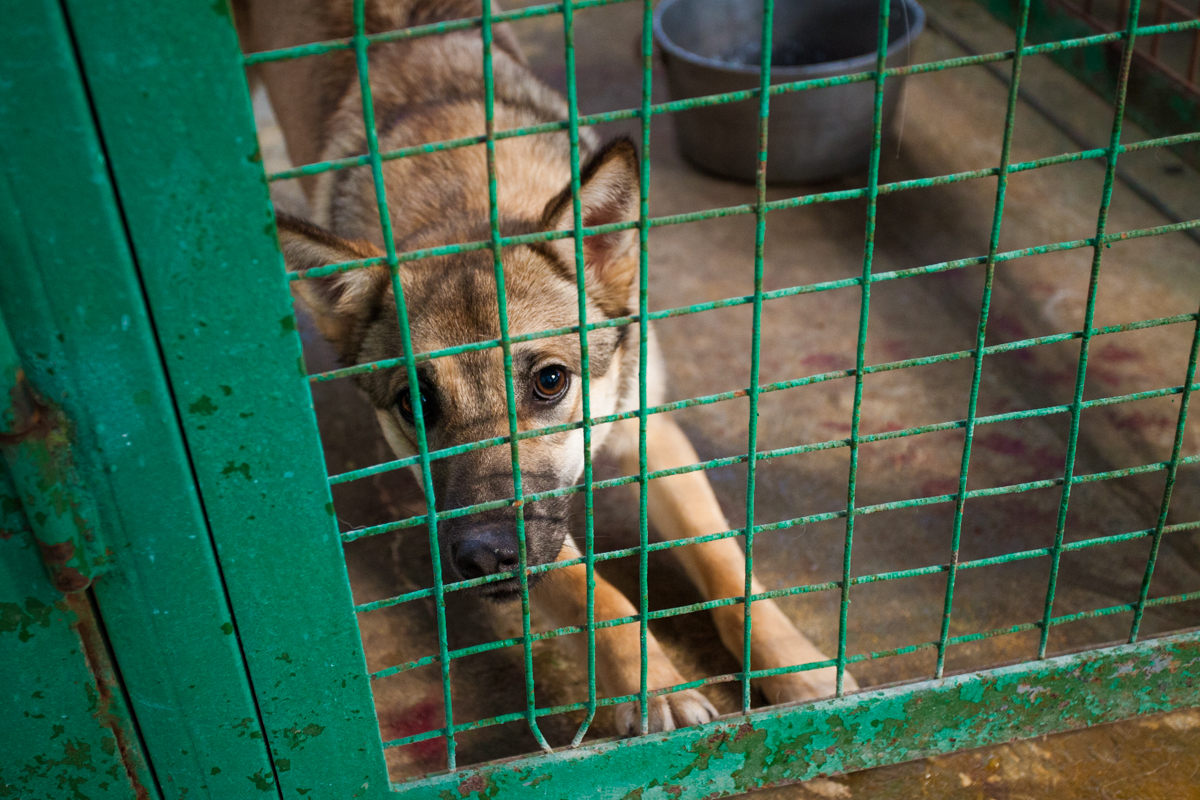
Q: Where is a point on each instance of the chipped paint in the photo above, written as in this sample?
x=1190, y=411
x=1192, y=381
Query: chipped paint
x=109, y=710
x=20, y=620
x=787, y=745
x=296, y=737
x=36, y=449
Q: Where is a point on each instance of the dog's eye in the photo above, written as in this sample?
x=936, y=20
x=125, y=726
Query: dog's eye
x=428, y=407
x=551, y=383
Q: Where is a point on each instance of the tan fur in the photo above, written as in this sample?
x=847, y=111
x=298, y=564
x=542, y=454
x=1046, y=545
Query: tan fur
x=430, y=89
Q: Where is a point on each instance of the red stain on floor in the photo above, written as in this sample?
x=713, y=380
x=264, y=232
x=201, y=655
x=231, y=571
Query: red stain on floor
x=1140, y=422
x=1108, y=377
x=1008, y=327
x=826, y=362
x=1048, y=462
x=1116, y=353
x=896, y=349
x=424, y=716
x=999, y=443
x=939, y=486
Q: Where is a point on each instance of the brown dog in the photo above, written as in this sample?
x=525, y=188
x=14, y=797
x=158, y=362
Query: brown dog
x=430, y=89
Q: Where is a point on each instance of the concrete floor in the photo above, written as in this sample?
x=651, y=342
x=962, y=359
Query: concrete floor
x=948, y=122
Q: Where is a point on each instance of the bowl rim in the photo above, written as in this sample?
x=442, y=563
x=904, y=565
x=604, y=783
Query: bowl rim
x=841, y=66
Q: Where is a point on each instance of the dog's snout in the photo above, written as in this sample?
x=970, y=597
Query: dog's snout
x=486, y=553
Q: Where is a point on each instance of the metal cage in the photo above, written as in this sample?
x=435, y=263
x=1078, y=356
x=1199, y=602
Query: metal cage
x=160, y=434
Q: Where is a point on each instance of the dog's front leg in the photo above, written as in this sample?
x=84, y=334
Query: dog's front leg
x=562, y=597
x=685, y=506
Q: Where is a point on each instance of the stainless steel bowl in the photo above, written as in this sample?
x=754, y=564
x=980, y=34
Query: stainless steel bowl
x=711, y=47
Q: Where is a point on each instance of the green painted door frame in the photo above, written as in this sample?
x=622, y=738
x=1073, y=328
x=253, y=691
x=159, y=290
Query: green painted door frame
x=72, y=298
x=173, y=109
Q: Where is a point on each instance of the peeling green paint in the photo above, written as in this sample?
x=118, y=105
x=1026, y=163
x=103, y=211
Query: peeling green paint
x=264, y=783
x=854, y=732
x=15, y=618
x=203, y=406
x=232, y=468
x=295, y=737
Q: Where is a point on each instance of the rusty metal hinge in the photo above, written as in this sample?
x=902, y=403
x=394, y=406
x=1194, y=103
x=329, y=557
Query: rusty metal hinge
x=36, y=451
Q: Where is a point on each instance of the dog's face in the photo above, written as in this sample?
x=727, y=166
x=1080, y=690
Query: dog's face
x=452, y=300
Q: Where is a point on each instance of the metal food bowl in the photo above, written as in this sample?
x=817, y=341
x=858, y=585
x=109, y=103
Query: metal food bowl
x=712, y=46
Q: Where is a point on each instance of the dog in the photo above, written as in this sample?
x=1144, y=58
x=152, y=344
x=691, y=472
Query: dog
x=431, y=89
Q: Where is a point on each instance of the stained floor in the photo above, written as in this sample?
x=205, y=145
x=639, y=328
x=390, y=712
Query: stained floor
x=948, y=122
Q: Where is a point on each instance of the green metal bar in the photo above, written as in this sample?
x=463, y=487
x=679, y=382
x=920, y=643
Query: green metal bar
x=585, y=388
x=791, y=523
x=745, y=208
x=489, y=94
x=732, y=97
x=643, y=319
x=418, y=31
x=864, y=313
x=1010, y=683
x=737, y=301
x=1172, y=471
x=1089, y=315
x=774, y=594
x=771, y=387
x=985, y=305
x=829, y=444
x=414, y=389
x=736, y=676
x=760, y=232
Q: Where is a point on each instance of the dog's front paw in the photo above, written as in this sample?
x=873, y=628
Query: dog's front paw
x=667, y=712
x=801, y=686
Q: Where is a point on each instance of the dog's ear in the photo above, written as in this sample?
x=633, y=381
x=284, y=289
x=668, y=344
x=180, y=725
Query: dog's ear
x=341, y=304
x=608, y=193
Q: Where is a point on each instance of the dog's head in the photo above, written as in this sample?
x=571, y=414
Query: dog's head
x=451, y=301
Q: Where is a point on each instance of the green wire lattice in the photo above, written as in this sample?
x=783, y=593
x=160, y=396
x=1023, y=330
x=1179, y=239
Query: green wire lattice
x=360, y=43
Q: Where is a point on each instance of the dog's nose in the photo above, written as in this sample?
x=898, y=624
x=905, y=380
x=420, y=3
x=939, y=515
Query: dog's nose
x=485, y=554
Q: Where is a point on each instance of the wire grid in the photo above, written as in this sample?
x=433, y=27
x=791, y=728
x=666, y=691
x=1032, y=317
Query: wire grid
x=360, y=43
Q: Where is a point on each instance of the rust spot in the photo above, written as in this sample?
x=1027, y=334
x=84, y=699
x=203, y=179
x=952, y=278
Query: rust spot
x=69, y=579
x=28, y=415
x=59, y=553
x=475, y=783
x=96, y=655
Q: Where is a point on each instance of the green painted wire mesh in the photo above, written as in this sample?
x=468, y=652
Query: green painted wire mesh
x=360, y=44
